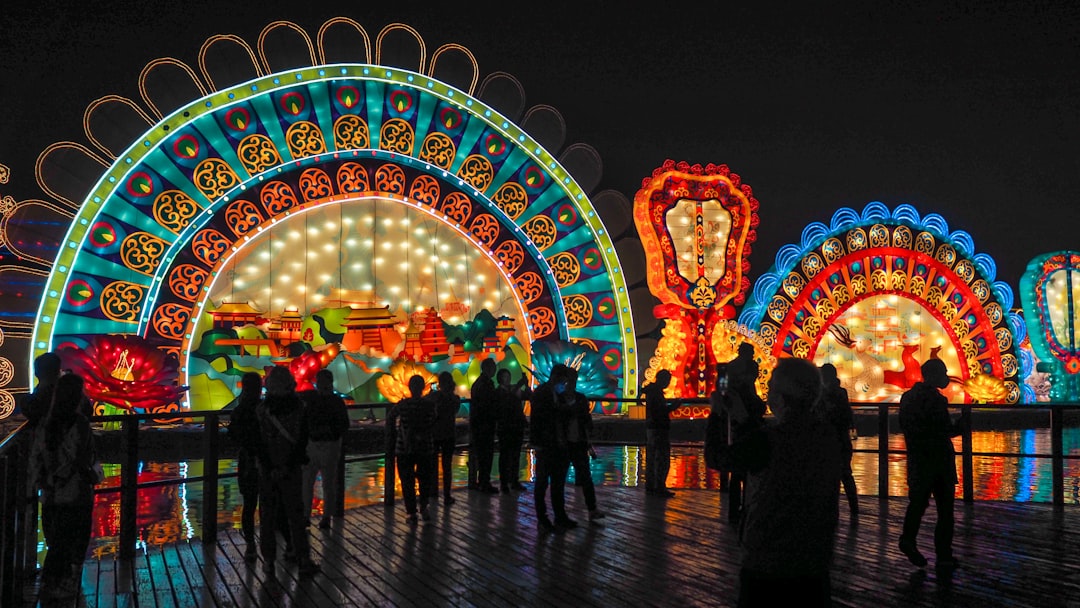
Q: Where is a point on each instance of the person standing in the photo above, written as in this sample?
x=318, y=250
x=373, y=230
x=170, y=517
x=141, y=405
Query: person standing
x=741, y=390
x=511, y=430
x=579, y=446
x=551, y=407
x=328, y=421
x=793, y=486
x=836, y=410
x=283, y=439
x=658, y=435
x=411, y=421
x=931, y=463
x=482, y=428
x=244, y=430
x=444, y=435
x=61, y=466
x=36, y=405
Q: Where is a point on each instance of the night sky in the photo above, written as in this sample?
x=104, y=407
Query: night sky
x=972, y=113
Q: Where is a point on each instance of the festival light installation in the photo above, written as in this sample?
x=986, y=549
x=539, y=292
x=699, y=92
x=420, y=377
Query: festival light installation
x=697, y=225
x=125, y=372
x=1050, y=293
x=877, y=293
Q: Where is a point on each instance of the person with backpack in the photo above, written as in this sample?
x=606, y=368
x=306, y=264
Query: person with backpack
x=62, y=468
x=283, y=434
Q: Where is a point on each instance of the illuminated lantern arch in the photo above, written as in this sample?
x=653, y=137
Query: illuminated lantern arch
x=878, y=293
x=1050, y=293
x=147, y=242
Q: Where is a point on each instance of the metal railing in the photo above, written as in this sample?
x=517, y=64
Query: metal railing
x=18, y=513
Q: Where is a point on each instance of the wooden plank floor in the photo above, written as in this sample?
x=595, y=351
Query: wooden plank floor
x=486, y=551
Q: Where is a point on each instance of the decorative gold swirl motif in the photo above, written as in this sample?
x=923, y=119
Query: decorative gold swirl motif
x=457, y=207
x=965, y=270
x=510, y=255
x=315, y=184
x=856, y=240
x=352, y=177
x=529, y=286
x=578, y=310
x=841, y=295
x=1012, y=392
x=981, y=289
x=778, y=308
x=209, y=245
x=512, y=199
x=994, y=313
x=858, y=285
x=485, y=228
x=917, y=286
x=542, y=230
x=970, y=349
x=946, y=254
x=793, y=285
x=925, y=243
x=390, y=178
x=257, y=153
x=565, y=268
x=186, y=281
x=477, y=170
x=703, y=294
x=800, y=349
x=948, y=310
x=425, y=189
x=586, y=343
x=811, y=327
x=174, y=209
x=879, y=280
x=438, y=149
x=5, y=174
x=396, y=135
x=902, y=237
x=542, y=321
x=832, y=249
x=767, y=333
x=825, y=309
x=933, y=296
x=1004, y=338
x=812, y=265
x=879, y=236
x=7, y=205
x=1009, y=365
x=7, y=404
x=122, y=301
x=7, y=371
x=898, y=280
x=170, y=319
x=305, y=139
x=142, y=251
x=214, y=177
x=242, y=217
x=277, y=197
x=351, y=133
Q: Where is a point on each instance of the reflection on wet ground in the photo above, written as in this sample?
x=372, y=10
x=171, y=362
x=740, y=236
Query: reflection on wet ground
x=170, y=513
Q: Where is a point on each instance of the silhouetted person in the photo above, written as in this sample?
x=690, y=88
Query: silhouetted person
x=658, y=435
x=444, y=435
x=931, y=463
x=61, y=466
x=328, y=421
x=551, y=407
x=744, y=365
x=836, y=409
x=511, y=429
x=283, y=439
x=36, y=405
x=580, y=447
x=412, y=420
x=244, y=430
x=482, y=428
x=741, y=390
x=793, y=488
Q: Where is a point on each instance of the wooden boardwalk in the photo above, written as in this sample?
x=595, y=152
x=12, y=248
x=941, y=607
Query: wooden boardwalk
x=486, y=551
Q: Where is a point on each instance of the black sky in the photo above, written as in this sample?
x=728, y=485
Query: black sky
x=966, y=111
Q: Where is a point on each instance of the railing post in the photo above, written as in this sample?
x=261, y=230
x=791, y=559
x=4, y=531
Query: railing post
x=210, y=478
x=966, y=459
x=389, y=469
x=883, y=451
x=1057, y=452
x=338, y=508
x=129, y=487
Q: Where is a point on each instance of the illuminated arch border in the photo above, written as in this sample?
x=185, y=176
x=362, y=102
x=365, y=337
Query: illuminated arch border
x=1052, y=345
x=881, y=252
x=145, y=244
